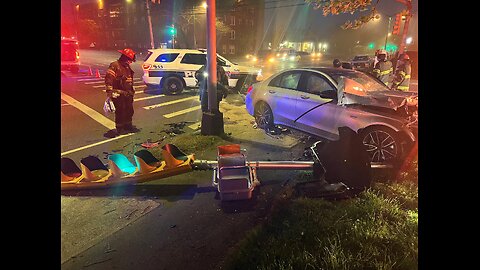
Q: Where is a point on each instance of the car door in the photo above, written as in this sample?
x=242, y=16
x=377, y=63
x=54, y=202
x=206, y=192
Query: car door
x=281, y=96
x=316, y=109
x=189, y=64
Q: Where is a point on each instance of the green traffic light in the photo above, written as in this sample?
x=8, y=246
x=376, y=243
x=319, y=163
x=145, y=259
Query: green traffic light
x=371, y=45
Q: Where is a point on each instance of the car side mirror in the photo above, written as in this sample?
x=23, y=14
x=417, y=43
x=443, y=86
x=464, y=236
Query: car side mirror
x=330, y=94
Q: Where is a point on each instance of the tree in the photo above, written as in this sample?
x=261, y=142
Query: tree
x=336, y=7
x=88, y=31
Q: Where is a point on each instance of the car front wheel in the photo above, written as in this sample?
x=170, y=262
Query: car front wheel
x=382, y=144
x=263, y=115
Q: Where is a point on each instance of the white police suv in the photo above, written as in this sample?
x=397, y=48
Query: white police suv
x=174, y=69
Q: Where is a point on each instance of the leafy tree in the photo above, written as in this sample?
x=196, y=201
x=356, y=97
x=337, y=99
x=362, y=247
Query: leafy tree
x=336, y=7
x=88, y=31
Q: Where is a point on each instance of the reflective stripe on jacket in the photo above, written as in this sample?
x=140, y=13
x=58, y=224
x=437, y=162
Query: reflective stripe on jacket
x=383, y=71
x=402, y=77
x=119, y=77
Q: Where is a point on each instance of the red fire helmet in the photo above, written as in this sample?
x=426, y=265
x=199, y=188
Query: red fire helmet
x=128, y=53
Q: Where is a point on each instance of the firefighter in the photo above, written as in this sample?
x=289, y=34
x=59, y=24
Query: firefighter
x=383, y=69
x=401, y=80
x=119, y=87
x=222, y=84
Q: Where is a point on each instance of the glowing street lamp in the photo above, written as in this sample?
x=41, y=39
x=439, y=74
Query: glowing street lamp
x=409, y=40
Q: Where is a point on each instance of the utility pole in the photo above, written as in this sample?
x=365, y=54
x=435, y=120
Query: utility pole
x=408, y=4
x=152, y=44
x=212, y=119
x=388, y=29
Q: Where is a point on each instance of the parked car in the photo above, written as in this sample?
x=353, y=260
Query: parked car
x=362, y=62
x=320, y=100
x=262, y=57
x=69, y=55
x=288, y=55
x=174, y=69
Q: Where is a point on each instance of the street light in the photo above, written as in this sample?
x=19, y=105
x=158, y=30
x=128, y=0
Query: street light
x=204, y=5
x=409, y=40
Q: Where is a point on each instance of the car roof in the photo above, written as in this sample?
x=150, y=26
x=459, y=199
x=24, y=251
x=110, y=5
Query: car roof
x=177, y=50
x=328, y=70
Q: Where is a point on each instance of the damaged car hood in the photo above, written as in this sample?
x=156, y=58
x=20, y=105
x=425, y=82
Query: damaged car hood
x=351, y=92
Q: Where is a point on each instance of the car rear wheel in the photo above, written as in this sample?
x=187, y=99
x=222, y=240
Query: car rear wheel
x=263, y=115
x=173, y=86
x=382, y=144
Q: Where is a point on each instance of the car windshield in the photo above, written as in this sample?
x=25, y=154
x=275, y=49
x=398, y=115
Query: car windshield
x=369, y=83
x=224, y=60
x=360, y=58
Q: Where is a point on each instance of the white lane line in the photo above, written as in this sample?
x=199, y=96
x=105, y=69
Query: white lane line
x=169, y=103
x=136, y=92
x=95, y=144
x=98, y=86
x=143, y=98
x=89, y=111
x=94, y=82
x=170, y=115
x=92, y=79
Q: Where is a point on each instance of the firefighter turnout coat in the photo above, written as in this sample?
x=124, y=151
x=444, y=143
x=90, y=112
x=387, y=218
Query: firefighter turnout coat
x=383, y=71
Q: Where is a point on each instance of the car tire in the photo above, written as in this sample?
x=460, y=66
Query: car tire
x=382, y=144
x=263, y=115
x=173, y=86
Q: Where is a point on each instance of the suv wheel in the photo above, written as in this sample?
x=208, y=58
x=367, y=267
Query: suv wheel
x=173, y=86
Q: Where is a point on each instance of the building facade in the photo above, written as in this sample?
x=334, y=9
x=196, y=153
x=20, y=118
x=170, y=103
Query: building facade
x=113, y=24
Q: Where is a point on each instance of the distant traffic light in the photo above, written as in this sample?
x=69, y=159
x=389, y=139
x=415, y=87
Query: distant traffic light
x=172, y=30
x=371, y=45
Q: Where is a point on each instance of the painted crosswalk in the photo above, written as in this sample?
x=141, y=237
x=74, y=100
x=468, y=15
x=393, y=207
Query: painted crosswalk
x=99, y=83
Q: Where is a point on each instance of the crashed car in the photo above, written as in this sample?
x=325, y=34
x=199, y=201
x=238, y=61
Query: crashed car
x=362, y=62
x=320, y=100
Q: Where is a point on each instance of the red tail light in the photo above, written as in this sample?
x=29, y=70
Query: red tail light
x=250, y=88
x=146, y=66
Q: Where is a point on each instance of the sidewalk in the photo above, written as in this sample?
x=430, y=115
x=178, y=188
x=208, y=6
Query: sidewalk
x=176, y=222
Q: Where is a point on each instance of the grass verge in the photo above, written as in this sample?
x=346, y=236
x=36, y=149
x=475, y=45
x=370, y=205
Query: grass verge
x=376, y=230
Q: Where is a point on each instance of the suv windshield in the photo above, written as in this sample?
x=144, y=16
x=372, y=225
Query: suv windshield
x=360, y=58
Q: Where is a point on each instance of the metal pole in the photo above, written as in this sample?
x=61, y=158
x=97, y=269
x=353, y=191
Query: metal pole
x=173, y=37
x=194, y=36
x=407, y=3
x=211, y=57
x=388, y=29
x=152, y=44
x=405, y=32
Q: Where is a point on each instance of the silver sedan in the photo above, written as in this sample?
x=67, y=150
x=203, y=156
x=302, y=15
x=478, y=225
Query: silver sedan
x=320, y=100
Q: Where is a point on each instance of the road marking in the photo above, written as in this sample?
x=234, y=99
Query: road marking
x=89, y=111
x=143, y=98
x=95, y=144
x=169, y=103
x=91, y=79
x=77, y=77
x=195, y=126
x=136, y=92
x=94, y=82
x=170, y=115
